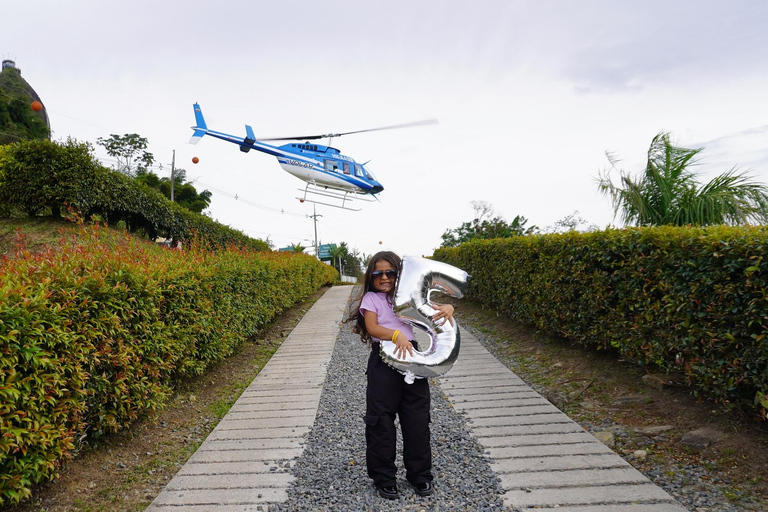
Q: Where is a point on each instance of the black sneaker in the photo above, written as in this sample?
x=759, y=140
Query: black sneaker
x=389, y=492
x=423, y=488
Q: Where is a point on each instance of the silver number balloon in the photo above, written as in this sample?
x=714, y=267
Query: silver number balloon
x=418, y=279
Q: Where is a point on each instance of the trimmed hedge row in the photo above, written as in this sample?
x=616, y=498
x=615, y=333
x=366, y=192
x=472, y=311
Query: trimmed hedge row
x=684, y=299
x=39, y=176
x=96, y=334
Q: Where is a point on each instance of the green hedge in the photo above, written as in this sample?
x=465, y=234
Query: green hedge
x=693, y=300
x=95, y=334
x=40, y=176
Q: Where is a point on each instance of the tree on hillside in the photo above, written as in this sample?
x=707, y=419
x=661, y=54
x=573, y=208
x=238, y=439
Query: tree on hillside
x=486, y=225
x=184, y=192
x=667, y=192
x=130, y=150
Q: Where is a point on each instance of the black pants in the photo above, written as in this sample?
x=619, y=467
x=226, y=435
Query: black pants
x=387, y=395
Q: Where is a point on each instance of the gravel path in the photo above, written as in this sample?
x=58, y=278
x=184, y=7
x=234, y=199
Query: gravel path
x=331, y=472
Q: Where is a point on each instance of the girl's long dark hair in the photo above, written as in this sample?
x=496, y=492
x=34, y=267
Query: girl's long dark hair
x=355, y=317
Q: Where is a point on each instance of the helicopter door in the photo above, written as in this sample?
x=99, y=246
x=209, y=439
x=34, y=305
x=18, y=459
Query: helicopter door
x=331, y=165
x=346, y=168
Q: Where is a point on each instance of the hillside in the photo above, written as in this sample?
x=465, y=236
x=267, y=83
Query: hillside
x=37, y=232
x=17, y=119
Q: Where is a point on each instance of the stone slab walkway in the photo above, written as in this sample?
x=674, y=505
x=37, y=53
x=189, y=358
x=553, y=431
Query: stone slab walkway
x=544, y=459
x=240, y=466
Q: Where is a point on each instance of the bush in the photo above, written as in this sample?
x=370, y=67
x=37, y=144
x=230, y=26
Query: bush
x=43, y=177
x=682, y=299
x=95, y=334
x=36, y=175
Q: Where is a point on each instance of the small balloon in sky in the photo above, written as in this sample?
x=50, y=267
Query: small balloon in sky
x=37, y=106
x=195, y=160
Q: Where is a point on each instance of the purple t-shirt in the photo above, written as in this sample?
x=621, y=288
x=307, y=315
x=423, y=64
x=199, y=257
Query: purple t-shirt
x=376, y=302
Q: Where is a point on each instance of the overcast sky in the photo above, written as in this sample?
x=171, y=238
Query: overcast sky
x=529, y=96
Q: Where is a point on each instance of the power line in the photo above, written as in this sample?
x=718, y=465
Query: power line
x=157, y=168
x=237, y=197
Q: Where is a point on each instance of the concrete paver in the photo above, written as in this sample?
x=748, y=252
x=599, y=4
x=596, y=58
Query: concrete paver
x=240, y=466
x=544, y=459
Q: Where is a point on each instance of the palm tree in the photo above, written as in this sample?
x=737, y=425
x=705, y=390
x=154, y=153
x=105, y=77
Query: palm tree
x=667, y=192
x=338, y=253
x=296, y=247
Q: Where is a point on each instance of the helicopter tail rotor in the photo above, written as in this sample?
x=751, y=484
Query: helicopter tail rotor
x=249, y=139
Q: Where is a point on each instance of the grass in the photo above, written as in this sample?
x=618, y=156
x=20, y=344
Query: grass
x=38, y=232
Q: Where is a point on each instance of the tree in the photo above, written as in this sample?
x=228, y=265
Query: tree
x=296, y=247
x=337, y=252
x=130, y=151
x=348, y=263
x=184, y=193
x=486, y=226
x=570, y=222
x=354, y=264
x=668, y=193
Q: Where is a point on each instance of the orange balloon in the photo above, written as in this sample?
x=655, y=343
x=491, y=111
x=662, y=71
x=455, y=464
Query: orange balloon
x=37, y=106
x=195, y=160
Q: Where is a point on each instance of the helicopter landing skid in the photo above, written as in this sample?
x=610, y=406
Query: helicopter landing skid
x=343, y=196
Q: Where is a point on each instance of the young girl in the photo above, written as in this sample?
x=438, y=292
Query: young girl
x=387, y=394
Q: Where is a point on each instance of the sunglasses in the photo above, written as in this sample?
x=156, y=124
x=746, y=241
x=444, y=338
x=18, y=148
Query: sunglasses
x=391, y=274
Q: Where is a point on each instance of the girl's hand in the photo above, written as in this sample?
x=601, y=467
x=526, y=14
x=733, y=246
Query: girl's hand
x=444, y=311
x=403, y=345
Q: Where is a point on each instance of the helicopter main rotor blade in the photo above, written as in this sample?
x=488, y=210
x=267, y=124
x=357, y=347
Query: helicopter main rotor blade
x=333, y=135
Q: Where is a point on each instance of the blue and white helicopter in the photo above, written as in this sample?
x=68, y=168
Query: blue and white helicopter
x=325, y=170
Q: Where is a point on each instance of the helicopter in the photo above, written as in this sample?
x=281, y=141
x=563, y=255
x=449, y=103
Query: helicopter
x=327, y=173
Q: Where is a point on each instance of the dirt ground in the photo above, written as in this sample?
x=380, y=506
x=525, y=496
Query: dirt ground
x=125, y=472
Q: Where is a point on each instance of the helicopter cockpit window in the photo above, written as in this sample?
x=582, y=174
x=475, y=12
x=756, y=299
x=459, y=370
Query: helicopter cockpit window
x=369, y=174
x=346, y=168
x=359, y=171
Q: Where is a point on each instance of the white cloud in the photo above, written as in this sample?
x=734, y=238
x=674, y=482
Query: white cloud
x=529, y=95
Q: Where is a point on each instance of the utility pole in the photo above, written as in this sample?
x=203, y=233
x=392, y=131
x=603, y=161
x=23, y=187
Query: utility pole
x=315, y=216
x=173, y=166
